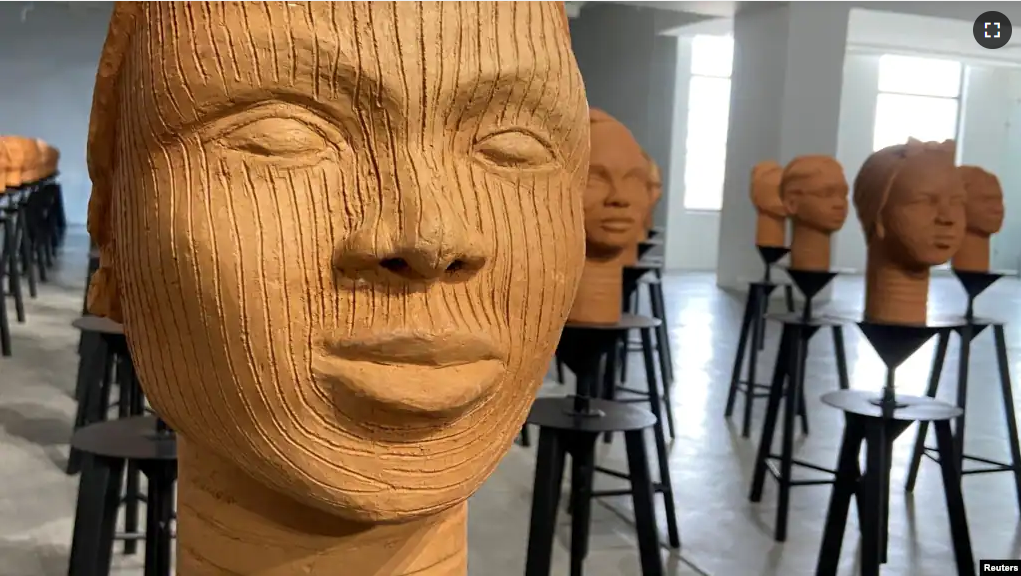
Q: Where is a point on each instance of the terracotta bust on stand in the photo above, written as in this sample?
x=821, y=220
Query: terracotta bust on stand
x=771, y=219
x=814, y=193
x=910, y=200
x=22, y=160
x=342, y=261
x=616, y=200
x=984, y=217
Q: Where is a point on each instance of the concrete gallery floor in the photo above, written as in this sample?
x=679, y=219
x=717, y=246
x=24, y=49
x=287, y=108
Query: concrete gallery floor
x=722, y=533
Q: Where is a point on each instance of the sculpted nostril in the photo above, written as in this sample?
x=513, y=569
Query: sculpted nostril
x=456, y=266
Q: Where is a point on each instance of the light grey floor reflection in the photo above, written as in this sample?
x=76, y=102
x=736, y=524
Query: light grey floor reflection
x=722, y=534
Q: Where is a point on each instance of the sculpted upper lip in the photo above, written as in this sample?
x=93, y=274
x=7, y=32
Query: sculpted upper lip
x=427, y=349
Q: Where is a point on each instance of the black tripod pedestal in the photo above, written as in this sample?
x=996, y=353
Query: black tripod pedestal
x=875, y=420
x=109, y=446
x=750, y=340
x=967, y=330
x=584, y=348
x=788, y=385
x=562, y=431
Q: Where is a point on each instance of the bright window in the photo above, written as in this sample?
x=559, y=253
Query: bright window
x=708, y=113
x=918, y=98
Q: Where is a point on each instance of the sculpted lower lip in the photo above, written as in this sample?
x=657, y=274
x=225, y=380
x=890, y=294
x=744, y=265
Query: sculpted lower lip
x=617, y=224
x=414, y=373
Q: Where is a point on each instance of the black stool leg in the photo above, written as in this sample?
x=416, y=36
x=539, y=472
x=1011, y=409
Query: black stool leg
x=742, y=344
x=1008, y=406
x=795, y=381
x=663, y=456
x=966, y=334
x=583, y=455
x=560, y=371
x=526, y=436
x=955, y=500
x=870, y=501
x=841, y=353
x=26, y=252
x=844, y=487
x=549, y=473
x=159, y=513
x=788, y=297
x=666, y=357
x=13, y=267
x=642, y=499
x=5, y=324
x=128, y=406
x=776, y=391
x=99, y=495
x=923, y=427
x=653, y=383
x=753, y=359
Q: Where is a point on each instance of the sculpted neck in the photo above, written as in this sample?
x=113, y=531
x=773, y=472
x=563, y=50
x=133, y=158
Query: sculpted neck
x=770, y=230
x=228, y=524
x=894, y=294
x=974, y=253
x=600, y=291
x=810, y=248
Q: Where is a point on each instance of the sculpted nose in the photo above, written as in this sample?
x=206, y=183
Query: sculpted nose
x=428, y=254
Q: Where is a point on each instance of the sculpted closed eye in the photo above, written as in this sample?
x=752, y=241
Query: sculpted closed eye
x=515, y=149
x=275, y=137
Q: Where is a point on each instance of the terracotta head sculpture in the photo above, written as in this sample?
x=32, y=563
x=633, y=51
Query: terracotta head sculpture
x=984, y=217
x=771, y=221
x=22, y=160
x=48, y=157
x=814, y=194
x=616, y=200
x=911, y=203
x=343, y=238
x=655, y=192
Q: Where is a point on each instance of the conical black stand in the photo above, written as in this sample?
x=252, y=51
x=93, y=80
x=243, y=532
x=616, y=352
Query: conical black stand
x=647, y=245
x=571, y=426
x=876, y=420
x=974, y=283
x=771, y=255
x=788, y=385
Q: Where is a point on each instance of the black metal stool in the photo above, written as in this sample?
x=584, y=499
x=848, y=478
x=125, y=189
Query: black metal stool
x=753, y=326
x=657, y=306
x=583, y=348
x=104, y=361
x=571, y=426
x=877, y=421
x=788, y=384
x=146, y=442
x=617, y=363
x=974, y=284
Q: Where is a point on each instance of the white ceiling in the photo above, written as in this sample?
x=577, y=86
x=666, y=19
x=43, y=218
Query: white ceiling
x=897, y=33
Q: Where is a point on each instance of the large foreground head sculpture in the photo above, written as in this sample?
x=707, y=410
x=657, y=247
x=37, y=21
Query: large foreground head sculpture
x=771, y=215
x=911, y=203
x=343, y=238
x=983, y=215
x=616, y=200
x=814, y=193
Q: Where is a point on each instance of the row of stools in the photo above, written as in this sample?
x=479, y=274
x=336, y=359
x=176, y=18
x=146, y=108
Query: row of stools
x=604, y=404
x=869, y=423
x=34, y=225
x=114, y=445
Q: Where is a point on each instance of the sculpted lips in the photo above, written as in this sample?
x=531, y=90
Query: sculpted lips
x=413, y=371
x=617, y=224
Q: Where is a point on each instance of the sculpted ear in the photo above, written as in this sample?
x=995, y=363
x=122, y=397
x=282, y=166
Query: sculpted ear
x=790, y=204
x=879, y=230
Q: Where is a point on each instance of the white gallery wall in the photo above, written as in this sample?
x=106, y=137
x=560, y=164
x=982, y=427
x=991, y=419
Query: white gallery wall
x=989, y=136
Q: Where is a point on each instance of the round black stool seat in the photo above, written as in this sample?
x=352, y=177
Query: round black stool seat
x=109, y=447
x=98, y=325
x=910, y=408
x=563, y=432
x=626, y=322
x=556, y=413
x=133, y=438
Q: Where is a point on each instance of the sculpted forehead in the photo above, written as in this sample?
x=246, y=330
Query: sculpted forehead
x=398, y=55
x=614, y=148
